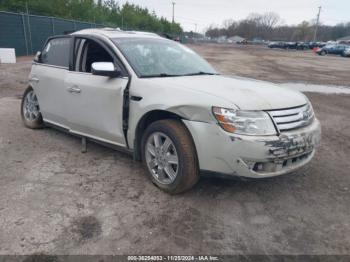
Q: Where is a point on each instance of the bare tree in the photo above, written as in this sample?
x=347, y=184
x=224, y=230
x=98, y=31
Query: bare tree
x=269, y=26
x=270, y=20
x=304, y=31
x=227, y=23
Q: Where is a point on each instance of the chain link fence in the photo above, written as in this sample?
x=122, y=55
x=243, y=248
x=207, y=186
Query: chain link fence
x=27, y=33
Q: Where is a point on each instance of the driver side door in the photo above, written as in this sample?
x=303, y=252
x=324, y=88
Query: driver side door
x=95, y=103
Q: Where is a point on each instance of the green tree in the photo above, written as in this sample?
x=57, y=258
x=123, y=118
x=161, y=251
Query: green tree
x=107, y=12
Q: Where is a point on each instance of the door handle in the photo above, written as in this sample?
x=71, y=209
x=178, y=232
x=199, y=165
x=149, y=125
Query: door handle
x=74, y=89
x=136, y=98
x=34, y=79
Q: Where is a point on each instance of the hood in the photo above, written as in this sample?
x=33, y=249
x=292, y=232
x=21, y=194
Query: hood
x=245, y=93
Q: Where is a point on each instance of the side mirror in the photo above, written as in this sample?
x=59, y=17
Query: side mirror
x=37, y=57
x=105, y=69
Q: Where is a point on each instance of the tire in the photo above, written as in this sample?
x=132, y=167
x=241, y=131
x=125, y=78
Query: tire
x=186, y=170
x=30, y=110
x=323, y=53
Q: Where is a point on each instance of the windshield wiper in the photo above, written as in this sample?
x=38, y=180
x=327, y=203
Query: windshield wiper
x=200, y=73
x=159, y=75
x=172, y=75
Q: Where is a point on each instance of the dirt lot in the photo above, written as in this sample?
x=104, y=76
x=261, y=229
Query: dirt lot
x=277, y=65
x=56, y=200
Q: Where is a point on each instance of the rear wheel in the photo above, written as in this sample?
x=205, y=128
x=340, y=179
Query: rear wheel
x=170, y=157
x=30, y=110
x=323, y=53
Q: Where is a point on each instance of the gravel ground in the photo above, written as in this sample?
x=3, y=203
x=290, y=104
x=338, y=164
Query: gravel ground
x=277, y=65
x=56, y=200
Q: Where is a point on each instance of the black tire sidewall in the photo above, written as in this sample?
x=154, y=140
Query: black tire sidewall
x=181, y=174
x=38, y=123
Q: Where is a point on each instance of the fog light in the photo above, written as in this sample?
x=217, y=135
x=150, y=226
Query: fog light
x=258, y=167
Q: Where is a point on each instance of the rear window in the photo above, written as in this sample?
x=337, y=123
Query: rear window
x=56, y=52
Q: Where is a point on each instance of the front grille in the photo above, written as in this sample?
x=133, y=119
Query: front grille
x=292, y=118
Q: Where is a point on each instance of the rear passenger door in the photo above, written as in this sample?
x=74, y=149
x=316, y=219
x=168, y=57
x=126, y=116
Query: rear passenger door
x=47, y=79
x=95, y=103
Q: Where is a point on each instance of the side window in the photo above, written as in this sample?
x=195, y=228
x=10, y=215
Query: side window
x=56, y=52
x=86, y=52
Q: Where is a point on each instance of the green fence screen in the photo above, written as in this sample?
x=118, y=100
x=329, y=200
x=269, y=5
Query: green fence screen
x=27, y=33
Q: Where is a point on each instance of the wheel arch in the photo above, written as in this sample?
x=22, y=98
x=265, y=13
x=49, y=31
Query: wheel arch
x=38, y=121
x=147, y=119
x=31, y=87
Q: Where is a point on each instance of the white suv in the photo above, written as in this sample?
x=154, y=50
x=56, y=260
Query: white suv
x=161, y=102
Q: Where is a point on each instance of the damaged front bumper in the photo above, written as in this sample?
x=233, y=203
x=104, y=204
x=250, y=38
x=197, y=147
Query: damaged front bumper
x=253, y=156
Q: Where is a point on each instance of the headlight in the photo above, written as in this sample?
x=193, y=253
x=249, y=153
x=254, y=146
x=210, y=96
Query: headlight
x=244, y=122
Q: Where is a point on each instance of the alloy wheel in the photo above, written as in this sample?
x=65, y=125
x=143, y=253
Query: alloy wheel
x=31, y=110
x=161, y=158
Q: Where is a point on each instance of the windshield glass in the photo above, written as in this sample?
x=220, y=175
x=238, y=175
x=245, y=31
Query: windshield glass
x=162, y=58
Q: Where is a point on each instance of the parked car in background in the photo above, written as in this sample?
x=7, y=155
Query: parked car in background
x=161, y=102
x=277, y=45
x=346, y=52
x=291, y=45
x=302, y=46
x=313, y=45
x=332, y=50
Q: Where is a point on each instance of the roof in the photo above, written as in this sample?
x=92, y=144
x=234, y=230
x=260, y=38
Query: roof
x=115, y=33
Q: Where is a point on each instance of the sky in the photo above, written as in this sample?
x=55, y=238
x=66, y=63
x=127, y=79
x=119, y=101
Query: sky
x=192, y=14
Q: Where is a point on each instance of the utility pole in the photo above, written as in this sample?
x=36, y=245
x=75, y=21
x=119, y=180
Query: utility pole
x=317, y=22
x=29, y=28
x=173, y=3
x=195, y=26
x=122, y=22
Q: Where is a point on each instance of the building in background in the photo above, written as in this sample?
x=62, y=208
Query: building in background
x=344, y=40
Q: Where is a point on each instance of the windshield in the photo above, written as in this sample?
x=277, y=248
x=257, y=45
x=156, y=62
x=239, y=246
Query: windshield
x=162, y=58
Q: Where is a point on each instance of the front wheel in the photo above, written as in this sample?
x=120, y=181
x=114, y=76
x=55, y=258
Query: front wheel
x=30, y=110
x=170, y=157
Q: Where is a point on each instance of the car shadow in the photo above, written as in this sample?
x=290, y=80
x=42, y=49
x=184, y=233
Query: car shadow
x=211, y=184
x=214, y=185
